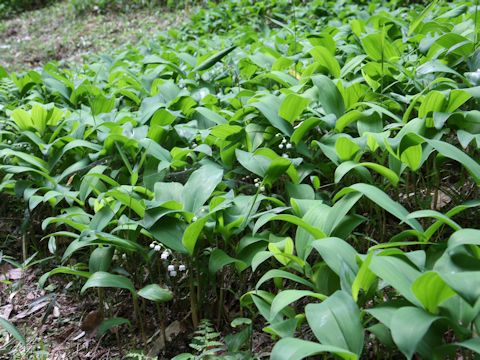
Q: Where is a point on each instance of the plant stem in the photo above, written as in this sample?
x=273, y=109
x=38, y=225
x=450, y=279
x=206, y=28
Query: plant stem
x=220, y=301
x=139, y=319
x=161, y=319
x=193, y=297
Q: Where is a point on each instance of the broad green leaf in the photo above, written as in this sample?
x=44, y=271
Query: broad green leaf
x=412, y=157
x=292, y=107
x=397, y=273
x=408, y=326
x=297, y=349
x=420, y=18
x=22, y=118
x=317, y=233
x=200, y=186
x=191, y=234
x=452, y=152
x=431, y=290
x=335, y=252
x=434, y=101
x=379, y=48
x=336, y=322
x=325, y=58
x=286, y=297
x=269, y=106
x=156, y=293
x=106, y=280
x=100, y=259
x=277, y=167
x=383, y=200
x=329, y=95
x=219, y=259
x=257, y=164
x=365, y=277
x=434, y=214
x=304, y=127
x=346, y=148
x=108, y=324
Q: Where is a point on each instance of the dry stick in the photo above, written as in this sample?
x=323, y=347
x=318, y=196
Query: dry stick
x=24, y=246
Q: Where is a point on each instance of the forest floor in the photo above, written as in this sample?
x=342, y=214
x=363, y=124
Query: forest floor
x=34, y=38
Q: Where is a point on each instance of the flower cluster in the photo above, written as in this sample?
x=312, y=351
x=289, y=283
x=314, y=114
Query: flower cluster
x=257, y=183
x=284, y=145
x=172, y=267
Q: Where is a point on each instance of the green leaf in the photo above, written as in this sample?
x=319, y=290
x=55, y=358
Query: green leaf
x=108, y=324
x=379, y=48
x=61, y=270
x=452, y=152
x=346, y=148
x=106, y=280
x=305, y=126
x=286, y=297
x=317, y=233
x=277, y=167
x=336, y=252
x=256, y=164
x=325, y=58
x=156, y=293
x=191, y=234
x=412, y=157
x=431, y=290
x=397, y=273
x=383, y=200
x=408, y=326
x=329, y=95
x=365, y=277
x=292, y=107
x=200, y=186
x=100, y=259
x=471, y=344
x=22, y=118
x=434, y=214
x=269, y=106
x=336, y=322
x=212, y=60
x=218, y=259
x=418, y=21
x=296, y=349
x=12, y=330
x=346, y=166
x=274, y=273
x=433, y=102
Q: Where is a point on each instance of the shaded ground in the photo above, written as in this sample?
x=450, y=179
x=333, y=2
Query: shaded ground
x=54, y=33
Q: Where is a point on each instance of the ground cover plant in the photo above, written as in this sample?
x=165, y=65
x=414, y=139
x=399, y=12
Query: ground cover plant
x=304, y=169
x=61, y=32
